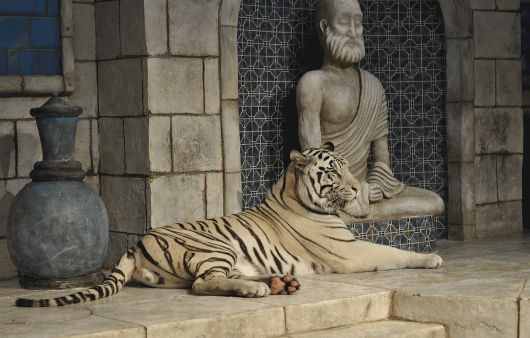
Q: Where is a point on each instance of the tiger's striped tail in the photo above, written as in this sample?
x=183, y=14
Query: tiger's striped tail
x=120, y=275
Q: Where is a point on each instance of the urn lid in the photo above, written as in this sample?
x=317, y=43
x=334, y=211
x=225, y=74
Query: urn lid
x=56, y=106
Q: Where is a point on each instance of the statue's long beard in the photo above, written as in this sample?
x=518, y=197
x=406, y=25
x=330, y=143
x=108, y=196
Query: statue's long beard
x=336, y=45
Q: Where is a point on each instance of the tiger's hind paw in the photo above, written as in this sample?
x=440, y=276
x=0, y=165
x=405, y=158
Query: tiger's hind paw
x=286, y=285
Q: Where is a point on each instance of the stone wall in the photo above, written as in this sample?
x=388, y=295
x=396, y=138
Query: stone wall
x=161, y=117
x=487, y=159
x=19, y=139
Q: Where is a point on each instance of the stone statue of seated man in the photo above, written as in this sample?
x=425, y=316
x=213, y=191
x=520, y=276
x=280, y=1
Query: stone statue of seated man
x=347, y=106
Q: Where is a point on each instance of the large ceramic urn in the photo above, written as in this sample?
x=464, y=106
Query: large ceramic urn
x=58, y=226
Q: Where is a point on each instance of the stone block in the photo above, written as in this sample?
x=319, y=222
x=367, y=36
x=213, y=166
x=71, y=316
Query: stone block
x=231, y=143
x=117, y=247
x=497, y=34
x=125, y=199
x=132, y=240
x=510, y=177
x=462, y=232
x=175, y=86
x=509, y=83
x=460, y=81
x=8, y=190
x=66, y=19
x=136, y=145
x=95, y=146
x=214, y=195
x=508, y=5
x=7, y=268
x=28, y=147
x=481, y=4
x=86, y=91
x=68, y=65
x=460, y=132
x=132, y=28
x=43, y=84
x=108, y=29
x=84, y=31
x=486, y=179
x=498, y=130
x=120, y=87
x=461, y=205
x=485, y=83
x=229, y=13
x=229, y=66
x=7, y=150
x=160, y=143
x=177, y=198
x=233, y=193
x=485, y=317
x=82, y=144
x=111, y=150
x=18, y=107
x=155, y=12
x=524, y=312
x=503, y=219
x=196, y=143
x=211, y=85
x=338, y=312
x=93, y=181
x=193, y=27
x=11, y=84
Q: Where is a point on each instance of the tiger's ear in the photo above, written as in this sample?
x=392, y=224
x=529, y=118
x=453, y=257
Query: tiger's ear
x=329, y=146
x=299, y=159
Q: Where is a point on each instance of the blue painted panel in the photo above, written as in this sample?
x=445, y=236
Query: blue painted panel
x=14, y=33
x=43, y=32
x=3, y=62
x=48, y=63
x=53, y=7
x=23, y=7
x=26, y=62
x=12, y=62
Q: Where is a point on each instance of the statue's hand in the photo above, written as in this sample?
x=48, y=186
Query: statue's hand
x=375, y=193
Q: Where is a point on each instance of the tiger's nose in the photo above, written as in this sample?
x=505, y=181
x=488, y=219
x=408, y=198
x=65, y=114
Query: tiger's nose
x=356, y=188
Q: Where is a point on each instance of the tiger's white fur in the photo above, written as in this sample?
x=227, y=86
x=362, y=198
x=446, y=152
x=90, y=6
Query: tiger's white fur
x=295, y=231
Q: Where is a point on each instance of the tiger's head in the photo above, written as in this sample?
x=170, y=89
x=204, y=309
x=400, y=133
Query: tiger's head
x=325, y=184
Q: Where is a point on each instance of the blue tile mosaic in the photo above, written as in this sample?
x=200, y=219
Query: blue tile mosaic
x=29, y=28
x=405, y=49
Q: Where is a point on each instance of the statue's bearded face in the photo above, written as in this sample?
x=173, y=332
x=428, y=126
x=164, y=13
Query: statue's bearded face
x=342, y=32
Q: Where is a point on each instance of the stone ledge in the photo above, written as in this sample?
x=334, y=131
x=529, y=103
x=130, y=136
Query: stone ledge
x=475, y=293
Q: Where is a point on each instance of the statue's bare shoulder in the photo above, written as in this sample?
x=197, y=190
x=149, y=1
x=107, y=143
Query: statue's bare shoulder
x=312, y=82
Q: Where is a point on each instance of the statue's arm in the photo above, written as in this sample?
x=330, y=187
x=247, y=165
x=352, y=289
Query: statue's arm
x=380, y=150
x=309, y=105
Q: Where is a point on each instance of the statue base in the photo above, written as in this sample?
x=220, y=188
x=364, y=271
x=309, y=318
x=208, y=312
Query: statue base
x=59, y=284
x=416, y=234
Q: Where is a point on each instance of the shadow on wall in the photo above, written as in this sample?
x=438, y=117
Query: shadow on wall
x=9, y=188
x=308, y=57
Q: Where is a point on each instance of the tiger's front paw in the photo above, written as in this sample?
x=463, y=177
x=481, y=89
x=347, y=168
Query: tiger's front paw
x=433, y=261
x=286, y=285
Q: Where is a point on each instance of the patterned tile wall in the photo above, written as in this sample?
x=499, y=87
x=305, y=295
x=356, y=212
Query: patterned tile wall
x=405, y=49
x=29, y=37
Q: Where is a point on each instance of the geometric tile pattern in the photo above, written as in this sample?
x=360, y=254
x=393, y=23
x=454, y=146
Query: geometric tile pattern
x=405, y=49
x=29, y=37
x=413, y=234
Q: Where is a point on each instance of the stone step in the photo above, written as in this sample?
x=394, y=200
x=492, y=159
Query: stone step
x=382, y=329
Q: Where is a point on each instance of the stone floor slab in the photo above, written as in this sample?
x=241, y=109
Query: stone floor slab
x=89, y=326
x=382, y=329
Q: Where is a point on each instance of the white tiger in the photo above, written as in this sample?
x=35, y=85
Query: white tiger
x=295, y=231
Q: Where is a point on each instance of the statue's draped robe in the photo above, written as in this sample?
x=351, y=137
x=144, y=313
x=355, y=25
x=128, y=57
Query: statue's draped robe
x=354, y=142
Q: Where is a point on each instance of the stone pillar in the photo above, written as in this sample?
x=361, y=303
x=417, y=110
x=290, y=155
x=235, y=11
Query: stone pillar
x=495, y=161
x=163, y=157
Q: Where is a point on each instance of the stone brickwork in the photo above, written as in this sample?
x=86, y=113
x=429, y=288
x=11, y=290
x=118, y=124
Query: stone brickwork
x=19, y=139
x=162, y=149
x=494, y=135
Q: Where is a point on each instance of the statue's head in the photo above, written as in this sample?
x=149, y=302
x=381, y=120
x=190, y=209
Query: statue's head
x=339, y=29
